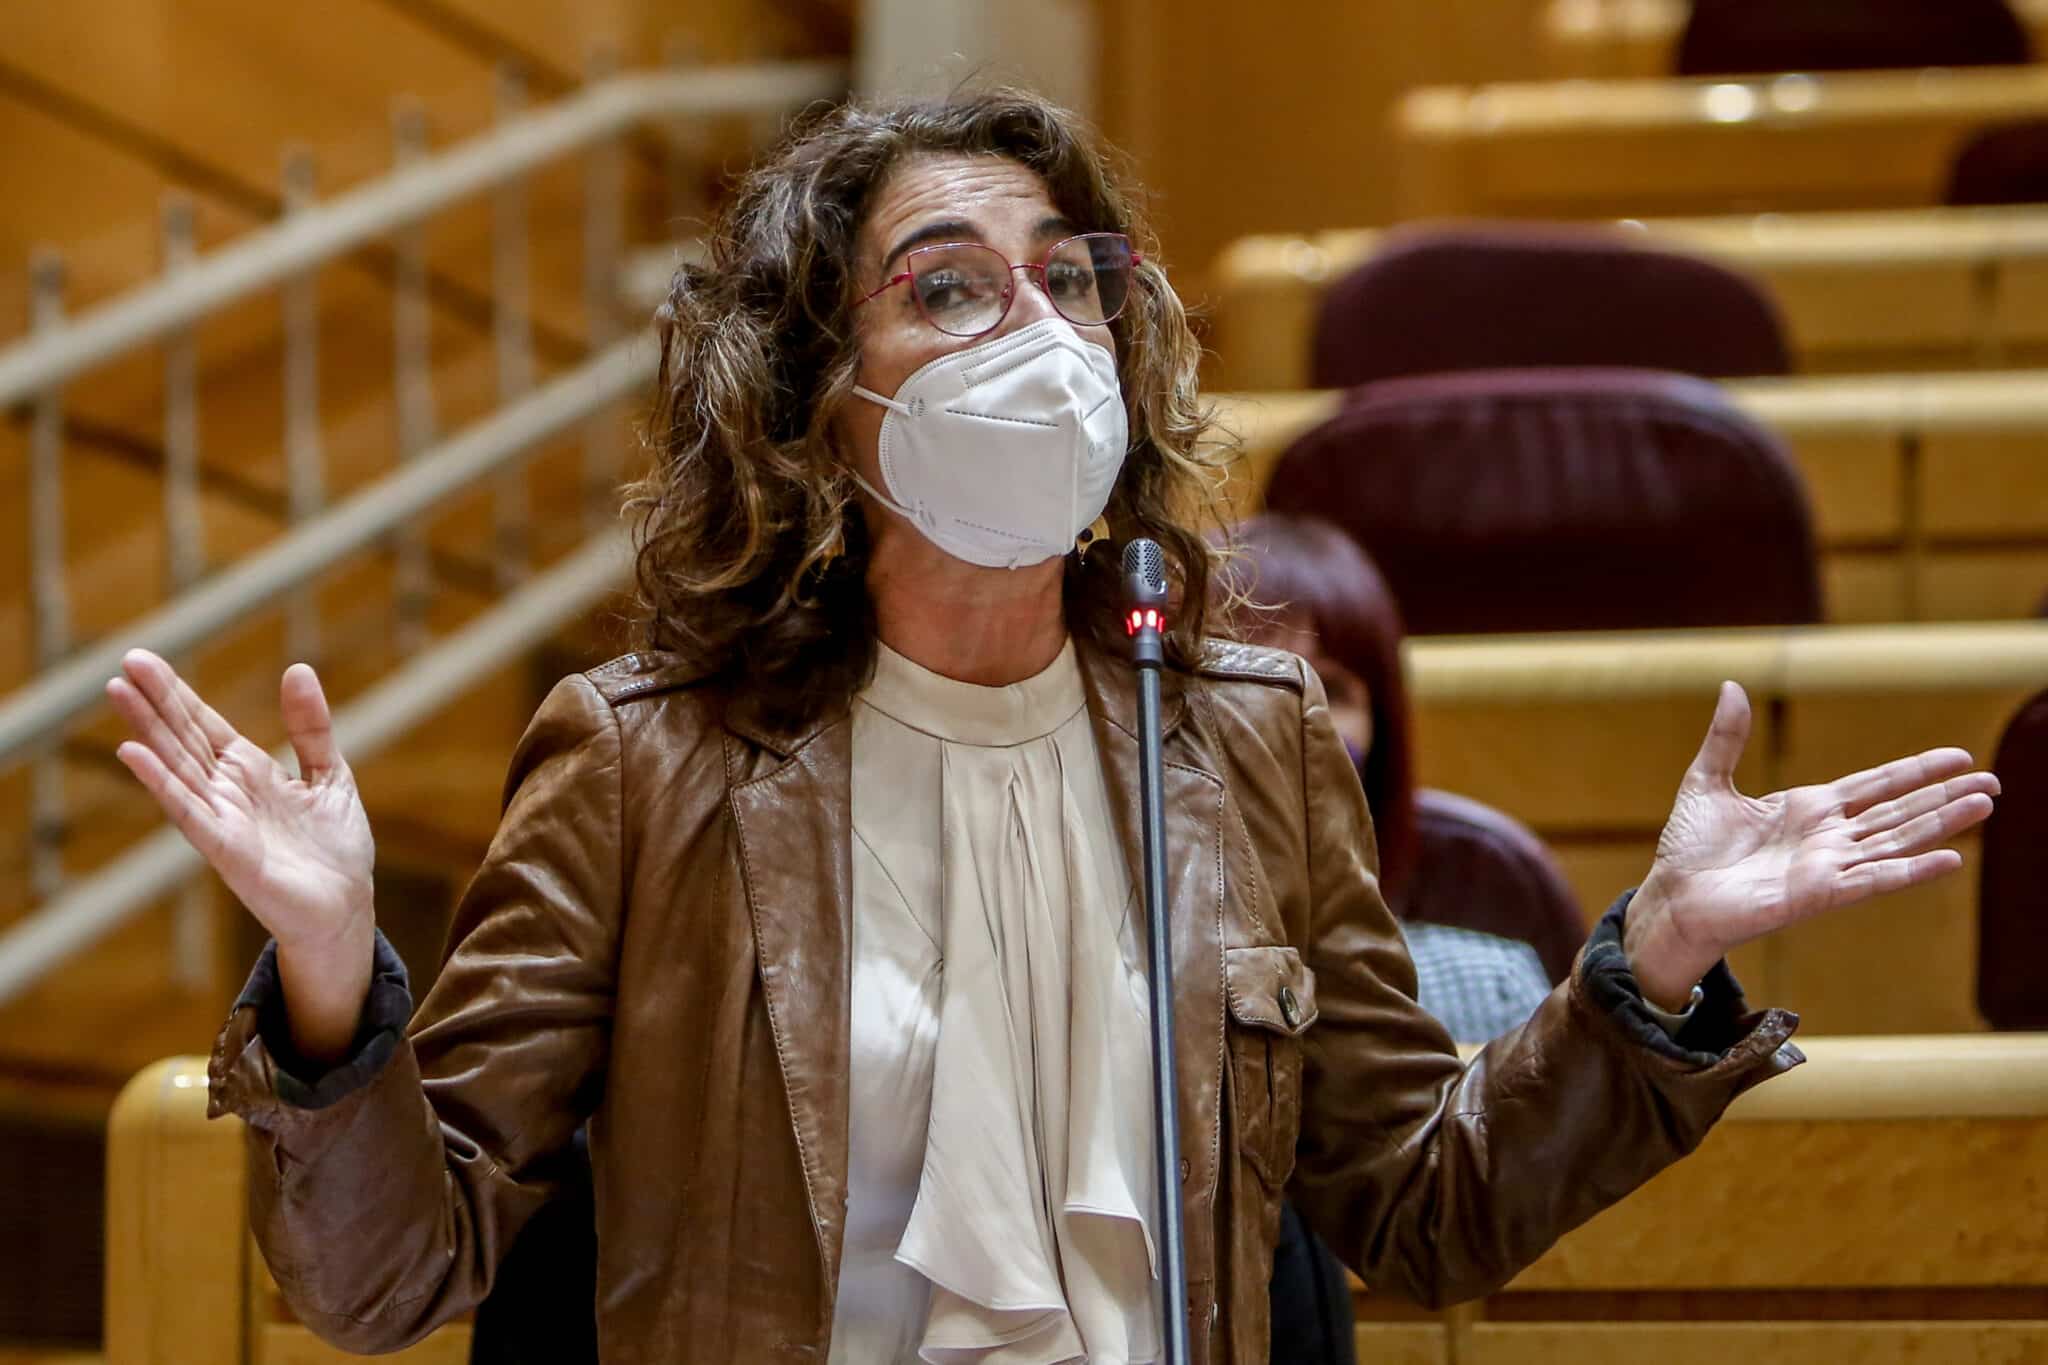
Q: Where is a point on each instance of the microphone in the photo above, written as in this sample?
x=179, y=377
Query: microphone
x=1145, y=601
x=1144, y=619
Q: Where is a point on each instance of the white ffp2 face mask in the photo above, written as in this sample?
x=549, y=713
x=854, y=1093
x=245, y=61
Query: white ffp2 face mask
x=1003, y=453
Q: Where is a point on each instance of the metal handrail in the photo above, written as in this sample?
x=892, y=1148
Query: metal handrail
x=285, y=257
x=437, y=676
x=30, y=715
x=269, y=257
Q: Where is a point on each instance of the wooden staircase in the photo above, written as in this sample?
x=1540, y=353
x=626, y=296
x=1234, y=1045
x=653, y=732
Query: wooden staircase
x=105, y=112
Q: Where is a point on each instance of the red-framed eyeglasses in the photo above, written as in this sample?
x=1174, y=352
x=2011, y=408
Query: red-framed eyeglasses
x=965, y=289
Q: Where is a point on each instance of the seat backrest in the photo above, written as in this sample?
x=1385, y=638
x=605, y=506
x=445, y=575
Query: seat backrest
x=1476, y=296
x=2006, y=163
x=178, y=1286
x=184, y=1280
x=1741, y=37
x=1480, y=868
x=1530, y=500
x=2012, y=928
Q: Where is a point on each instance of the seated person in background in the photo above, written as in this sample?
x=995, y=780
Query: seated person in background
x=1480, y=985
x=1315, y=592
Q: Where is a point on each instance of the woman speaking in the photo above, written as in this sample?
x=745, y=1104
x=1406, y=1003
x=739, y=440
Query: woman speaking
x=819, y=909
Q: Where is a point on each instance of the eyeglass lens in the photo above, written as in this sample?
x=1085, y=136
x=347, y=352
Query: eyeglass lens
x=964, y=289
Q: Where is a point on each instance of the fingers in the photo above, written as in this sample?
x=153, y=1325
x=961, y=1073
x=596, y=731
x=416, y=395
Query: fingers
x=147, y=723
x=1924, y=831
x=308, y=722
x=158, y=684
x=218, y=732
x=1858, y=792
x=1894, y=874
x=1887, y=814
x=181, y=804
x=1726, y=737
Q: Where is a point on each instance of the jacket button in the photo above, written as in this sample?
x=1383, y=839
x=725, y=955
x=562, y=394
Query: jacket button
x=1185, y=1168
x=1290, y=1008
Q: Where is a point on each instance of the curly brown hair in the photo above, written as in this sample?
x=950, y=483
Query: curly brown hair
x=752, y=555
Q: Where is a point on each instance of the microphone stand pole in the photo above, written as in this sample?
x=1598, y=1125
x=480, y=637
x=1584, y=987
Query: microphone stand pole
x=1145, y=595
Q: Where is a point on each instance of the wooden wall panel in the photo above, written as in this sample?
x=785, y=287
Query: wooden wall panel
x=99, y=203
x=231, y=82
x=218, y=89
x=1240, y=124
x=1838, y=1204
x=560, y=34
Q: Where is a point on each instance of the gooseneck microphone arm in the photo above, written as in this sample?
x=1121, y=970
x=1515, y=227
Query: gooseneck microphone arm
x=1144, y=619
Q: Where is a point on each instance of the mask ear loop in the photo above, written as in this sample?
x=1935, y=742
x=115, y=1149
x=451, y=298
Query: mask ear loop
x=916, y=516
x=907, y=409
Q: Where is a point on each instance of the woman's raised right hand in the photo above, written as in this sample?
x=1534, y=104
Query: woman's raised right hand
x=296, y=850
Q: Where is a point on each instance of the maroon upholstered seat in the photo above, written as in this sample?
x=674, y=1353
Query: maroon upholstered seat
x=1530, y=500
x=2006, y=163
x=2012, y=905
x=1726, y=37
x=1478, y=868
x=1477, y=296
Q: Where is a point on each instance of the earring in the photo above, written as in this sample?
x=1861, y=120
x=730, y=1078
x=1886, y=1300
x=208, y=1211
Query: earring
x=1098, y=530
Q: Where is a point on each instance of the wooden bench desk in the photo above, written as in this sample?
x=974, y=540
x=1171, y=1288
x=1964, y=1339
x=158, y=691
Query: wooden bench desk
x=1663, y=147
x=1883, y=1203
x=1585, y=736
x=1886, y=289
x=1930, y=492
x=1594, y=38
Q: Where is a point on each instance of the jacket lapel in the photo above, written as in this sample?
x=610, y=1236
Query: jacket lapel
x=794, y=826
x=1193, y=798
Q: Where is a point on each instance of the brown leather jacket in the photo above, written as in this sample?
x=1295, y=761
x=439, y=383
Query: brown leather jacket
x=658, y=940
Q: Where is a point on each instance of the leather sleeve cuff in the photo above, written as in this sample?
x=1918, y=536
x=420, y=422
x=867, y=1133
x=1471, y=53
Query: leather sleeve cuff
x=1721, y=1019
x=307, y=1085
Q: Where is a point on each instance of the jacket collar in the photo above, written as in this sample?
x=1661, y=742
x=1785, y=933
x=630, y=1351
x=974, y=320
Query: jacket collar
x=794, y=829
x=1111, y=684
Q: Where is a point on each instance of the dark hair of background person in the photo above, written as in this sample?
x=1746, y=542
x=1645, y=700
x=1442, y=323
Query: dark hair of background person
x=751, y=552
x=1312, y=566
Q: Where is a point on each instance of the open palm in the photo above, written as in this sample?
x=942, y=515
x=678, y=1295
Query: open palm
x=296, y=850
x=1731, y=868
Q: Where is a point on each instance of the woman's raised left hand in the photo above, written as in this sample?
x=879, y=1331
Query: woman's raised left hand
x=1731, y=868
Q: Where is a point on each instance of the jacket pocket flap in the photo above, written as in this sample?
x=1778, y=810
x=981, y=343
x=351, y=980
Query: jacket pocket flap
x=1270, y=988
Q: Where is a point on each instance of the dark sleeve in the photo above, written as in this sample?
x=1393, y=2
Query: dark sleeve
x=309, y=1085
x=384, y=1192
x=1439, y=1181
x=1721, y=1020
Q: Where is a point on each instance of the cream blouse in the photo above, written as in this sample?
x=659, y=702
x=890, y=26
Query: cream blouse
x=1001, y=1197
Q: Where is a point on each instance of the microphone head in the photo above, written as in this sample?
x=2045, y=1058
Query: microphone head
x=1144, y=572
